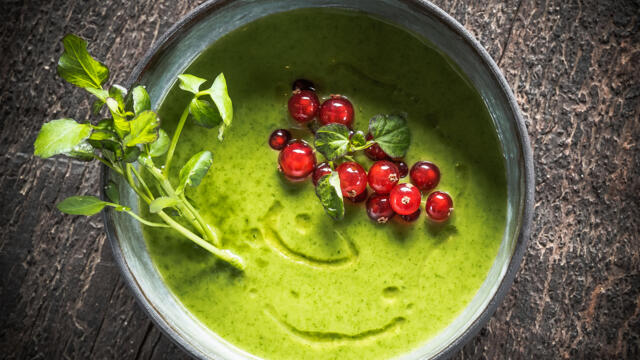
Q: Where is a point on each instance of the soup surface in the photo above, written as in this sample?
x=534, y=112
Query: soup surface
x=313, y=287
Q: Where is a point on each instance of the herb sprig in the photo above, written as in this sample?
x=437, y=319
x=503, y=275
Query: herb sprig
x=132, y=134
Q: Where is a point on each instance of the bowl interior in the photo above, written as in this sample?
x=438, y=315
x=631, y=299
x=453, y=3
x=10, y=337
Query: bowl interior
x=177, y=49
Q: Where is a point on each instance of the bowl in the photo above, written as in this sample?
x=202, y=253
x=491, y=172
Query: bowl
x=207, y=23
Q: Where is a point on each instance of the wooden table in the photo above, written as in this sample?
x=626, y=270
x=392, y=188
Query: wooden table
x=574, y=68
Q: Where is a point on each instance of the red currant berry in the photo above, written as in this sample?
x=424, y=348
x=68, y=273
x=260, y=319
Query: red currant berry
x=297, y=160
x=353, y=179
x=439, y=206
x=303, y=84
x=303, y=105
x=405, y=199
x=374, y=152
x=337, y=110
x=321, y=170
x=425, y=175
x=379, y=208
x=403, y=169
x=411, y=217
x=383, y=176
x=279, y=139
x=360, y=198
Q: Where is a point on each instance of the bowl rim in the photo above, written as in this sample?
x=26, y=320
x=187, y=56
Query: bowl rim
x=426, y=8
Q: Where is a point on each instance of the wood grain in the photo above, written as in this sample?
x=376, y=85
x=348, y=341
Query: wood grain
x=574, y=67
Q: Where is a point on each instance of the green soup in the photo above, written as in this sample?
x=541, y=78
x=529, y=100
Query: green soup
x=313, y=287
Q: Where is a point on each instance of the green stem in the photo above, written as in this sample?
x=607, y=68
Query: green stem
x=109, y=165
x=174, y=141
x=210, y=234
x=141, y=181
x=133, y=185
x=225, y=255
x=146, y=222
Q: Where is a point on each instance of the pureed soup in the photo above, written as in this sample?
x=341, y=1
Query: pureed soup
x=315, y=287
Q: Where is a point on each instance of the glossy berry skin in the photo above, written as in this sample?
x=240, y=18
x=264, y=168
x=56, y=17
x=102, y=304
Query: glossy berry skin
x=303, y=105
x=405, y=199
x=425, y=175
x=383, y=176
x=353, y=179
x=411, y=217
x=302, y=84
x=297, y=160
x=337, y=110
x=279, y=139
x=379, y=208
x=360, y=198
x=321, y=170
x=403, y=169
x=439, y=206
x=374, y=152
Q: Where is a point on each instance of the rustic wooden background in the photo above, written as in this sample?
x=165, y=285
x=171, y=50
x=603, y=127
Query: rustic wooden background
x=573, y=65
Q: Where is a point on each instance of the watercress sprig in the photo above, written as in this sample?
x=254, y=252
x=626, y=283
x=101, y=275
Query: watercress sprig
x=336, y=142
x=132, y=135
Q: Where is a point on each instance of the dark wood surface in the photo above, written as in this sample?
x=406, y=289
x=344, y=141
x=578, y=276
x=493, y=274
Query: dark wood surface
x=574, y=68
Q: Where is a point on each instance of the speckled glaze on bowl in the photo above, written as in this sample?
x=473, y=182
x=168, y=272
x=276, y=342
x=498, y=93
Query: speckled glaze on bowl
x=207, y=23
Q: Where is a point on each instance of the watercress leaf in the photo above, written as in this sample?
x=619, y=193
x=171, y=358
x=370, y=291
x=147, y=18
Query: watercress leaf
x=83, y=152
x=358, y=139
x=160, y=203
x=101, y=94
x=131, y=154
x=81, y=205
x=190, y=83
x=220, y=96
x=330, y=195
x=332, y=141
x=78, y=67
x=120, y=123
x=204, y=113
x=60, y=137
x=144, y=129
x=141, y=101
x=111, y=189
x=195, y=169
x=391, y=133
x=118, y=93
x=104, y=124
x=96, y=106
x=160, y=146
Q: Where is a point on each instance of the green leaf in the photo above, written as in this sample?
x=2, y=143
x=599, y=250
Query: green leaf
x=332, y=141
x=111, y=189
x=131, y=154
x=118, y=93
x=81, y=205
x=82, y=152
x=144, y=129
x=60, y=137
x=220, y=96
x=160, y=146
x=204, y=113
x=330, y=195
x=190, y=83
x=194, y=170
x=358, y=139
x=101, y=94
x=120, y=123
x=141, y=101
x=78, y=67
x=160, y=203
x=391, y=133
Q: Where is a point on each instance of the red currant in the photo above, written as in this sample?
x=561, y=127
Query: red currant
x=405, y=199
x=353, y=179
x=403, y=169
x=379, y=208
x=279, y=139
x=383, y=176
x=374, y=152
x=321, y=170
x=425, y=175
x=297, y=160
x=411, y=217
x=337, y=110
x=303, y=105
x=360, y=198
x=303, y=84
x=439, y=206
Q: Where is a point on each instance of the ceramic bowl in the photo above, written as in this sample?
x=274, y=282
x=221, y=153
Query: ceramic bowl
x=198, y=30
